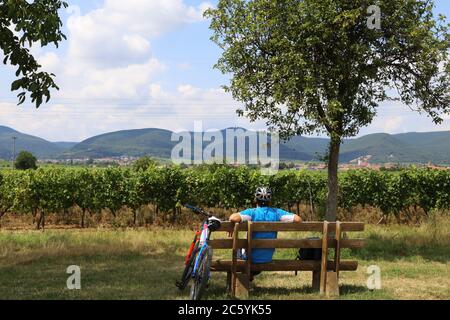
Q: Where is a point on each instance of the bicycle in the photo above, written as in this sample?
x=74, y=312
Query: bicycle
x=198, y=259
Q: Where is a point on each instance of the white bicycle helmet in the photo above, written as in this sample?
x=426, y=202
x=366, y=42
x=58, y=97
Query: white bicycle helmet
x=263, y=194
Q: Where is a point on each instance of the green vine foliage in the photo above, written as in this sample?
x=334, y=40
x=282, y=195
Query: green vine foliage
x=55, y=190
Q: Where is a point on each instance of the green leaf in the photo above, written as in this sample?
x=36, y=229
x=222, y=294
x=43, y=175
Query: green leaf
x=16, y=85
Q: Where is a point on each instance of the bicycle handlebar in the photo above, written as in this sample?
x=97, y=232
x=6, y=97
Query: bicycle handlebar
x=198, y=210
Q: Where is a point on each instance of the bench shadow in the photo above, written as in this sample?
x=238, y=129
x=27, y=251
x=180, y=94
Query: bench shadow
x=352, y=289
x=306, y=291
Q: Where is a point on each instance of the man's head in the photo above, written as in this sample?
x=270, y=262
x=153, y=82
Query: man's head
x=263, y=196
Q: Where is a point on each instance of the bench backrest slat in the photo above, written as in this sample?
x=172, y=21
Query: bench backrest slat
x=227, y=226
x=227, y=243
x=305, y=226
x=282, y=226
x=305, y=243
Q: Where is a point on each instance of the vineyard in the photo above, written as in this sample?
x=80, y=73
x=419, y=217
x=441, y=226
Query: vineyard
x=76, y=193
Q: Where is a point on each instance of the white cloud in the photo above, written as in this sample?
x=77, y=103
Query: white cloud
x=125, y=82
x=156, y=91
x=75, y=120
x=50, y=62
x=109, y=50
x=187, y=90
x=137, y=44
x=108, y=76
x=392, y=123
x=119, y=31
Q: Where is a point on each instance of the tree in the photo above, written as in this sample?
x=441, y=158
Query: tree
x=319, y=66
x=25, y=160
x=144, y=163
x=24, y=23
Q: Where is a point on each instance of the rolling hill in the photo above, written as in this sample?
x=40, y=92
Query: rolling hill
x=406, y=147
x=154, y=142
x=411, y=147
x=39, y=147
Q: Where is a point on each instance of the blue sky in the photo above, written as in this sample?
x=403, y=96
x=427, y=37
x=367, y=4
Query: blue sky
x=146, y=63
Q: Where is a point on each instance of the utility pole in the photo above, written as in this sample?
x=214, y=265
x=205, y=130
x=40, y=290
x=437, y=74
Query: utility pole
x=14, y=152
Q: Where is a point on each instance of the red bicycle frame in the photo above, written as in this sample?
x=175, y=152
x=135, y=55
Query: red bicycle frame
x=191, y=248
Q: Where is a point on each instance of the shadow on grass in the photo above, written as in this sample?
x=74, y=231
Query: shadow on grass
x=124, y=276
x=283, y=291
x=393, y=249
x=218, y=291
x=307, y=291
x=352, y=289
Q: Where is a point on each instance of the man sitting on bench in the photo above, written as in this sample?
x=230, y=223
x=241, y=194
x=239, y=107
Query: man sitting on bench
x=263, y=213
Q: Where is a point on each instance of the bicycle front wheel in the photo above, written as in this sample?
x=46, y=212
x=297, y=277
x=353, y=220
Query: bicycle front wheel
x=187, y=273
x=201, y=277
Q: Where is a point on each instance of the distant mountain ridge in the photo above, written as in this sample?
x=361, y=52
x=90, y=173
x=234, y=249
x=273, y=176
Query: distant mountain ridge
x=154, y=142
x=406, y=147
x=411, y=147
x=39, y=147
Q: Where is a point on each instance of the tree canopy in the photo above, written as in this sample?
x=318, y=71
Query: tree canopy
x=25, y=160
x=315, y=66
x=144, y=163
x=22, y=25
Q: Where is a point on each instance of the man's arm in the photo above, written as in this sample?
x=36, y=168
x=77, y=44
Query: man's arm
x=236, y=218
x=289, y=217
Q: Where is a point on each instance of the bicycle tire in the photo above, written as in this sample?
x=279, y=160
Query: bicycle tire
x=187, y=273
x=201, y=277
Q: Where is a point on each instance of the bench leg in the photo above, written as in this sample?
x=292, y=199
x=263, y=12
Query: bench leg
x=242, y=285
x=316, y=281
x=332, y=283
x=229, y=283
x=332, y=288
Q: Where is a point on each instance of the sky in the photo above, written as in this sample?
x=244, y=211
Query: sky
x=146, y=64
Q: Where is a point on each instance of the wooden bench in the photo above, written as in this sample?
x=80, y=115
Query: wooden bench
x=325, y=273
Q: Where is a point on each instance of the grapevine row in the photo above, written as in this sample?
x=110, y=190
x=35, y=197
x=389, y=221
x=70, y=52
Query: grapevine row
x=56, y=189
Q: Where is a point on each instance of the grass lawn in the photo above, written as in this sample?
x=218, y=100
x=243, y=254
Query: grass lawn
x=145, y=263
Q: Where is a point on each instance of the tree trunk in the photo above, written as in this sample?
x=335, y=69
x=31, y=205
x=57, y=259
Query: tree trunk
x=66, y=216
x=333, y=162
x=312, y=211
x=38, y=221
x=34, y=214
x=41, y=221
x=174, y=217
x=1, y=216
x=135, y=213
x=82, y=217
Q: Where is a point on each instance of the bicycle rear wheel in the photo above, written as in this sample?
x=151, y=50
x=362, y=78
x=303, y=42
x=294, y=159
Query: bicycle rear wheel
x=201, y=277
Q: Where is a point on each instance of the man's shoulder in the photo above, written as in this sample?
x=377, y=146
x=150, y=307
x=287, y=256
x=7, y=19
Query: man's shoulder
x=282, y=212
x=248, y=211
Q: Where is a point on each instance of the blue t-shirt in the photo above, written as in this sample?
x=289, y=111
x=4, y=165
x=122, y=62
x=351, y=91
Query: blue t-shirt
x=266, y=214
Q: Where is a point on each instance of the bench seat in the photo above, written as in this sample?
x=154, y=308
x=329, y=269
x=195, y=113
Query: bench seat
x=282, y=265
